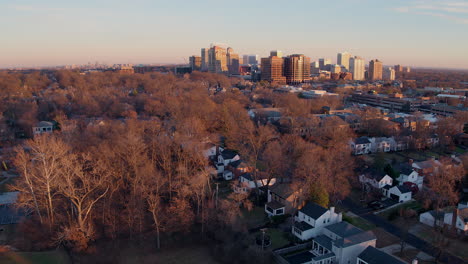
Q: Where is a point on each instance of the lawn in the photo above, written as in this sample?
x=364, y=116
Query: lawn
x=456, y=247
x=395, y=210
x=360, y=222
x=278, y=238
x=47, y=257
x=254, y=218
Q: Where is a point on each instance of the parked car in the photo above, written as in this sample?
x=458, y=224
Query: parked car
x=375, y=205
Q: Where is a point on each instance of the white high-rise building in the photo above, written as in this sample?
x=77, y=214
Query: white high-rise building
x=357, y=66
x=343, y=59
x=389, y=74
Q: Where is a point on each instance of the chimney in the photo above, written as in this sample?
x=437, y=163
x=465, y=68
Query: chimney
x=332, y=209
x=415, y=261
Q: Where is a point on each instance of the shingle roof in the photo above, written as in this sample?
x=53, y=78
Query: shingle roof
x=44, y=124
x=363, y=140
x=404, y=188
x=282, y=189
x=313, y=210
x=406, y=169
x=228, y=154
x=275, y=205
x=303, y=226
x=371, y=255
x=343, y=229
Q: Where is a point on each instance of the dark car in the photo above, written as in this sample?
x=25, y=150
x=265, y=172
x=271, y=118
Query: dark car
x=375, y=205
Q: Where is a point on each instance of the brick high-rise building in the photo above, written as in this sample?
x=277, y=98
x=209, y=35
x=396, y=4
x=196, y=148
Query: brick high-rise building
x=297, y=68
x=273, y=69
x=375, y=70
x=195, y=63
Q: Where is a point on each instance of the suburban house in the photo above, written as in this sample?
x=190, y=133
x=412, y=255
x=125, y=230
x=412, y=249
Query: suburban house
x=375, y=178
x=248, y=180
x=361, y=146
x=399, y=193
x=460, y=221
x=409, y=175
x=225, y=157
x=405, y=123
x=432, y=218
x=43, y=127
x=341, y=243
x=212, y=151
x=282, y=199
x=311, y=220
x=382, y=144
x=372, y=255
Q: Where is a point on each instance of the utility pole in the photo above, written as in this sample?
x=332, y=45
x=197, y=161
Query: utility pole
x=217, y=189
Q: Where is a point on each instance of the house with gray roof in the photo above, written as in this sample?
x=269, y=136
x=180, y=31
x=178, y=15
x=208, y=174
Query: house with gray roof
x=361, y=146
x=43, y=127
x=372, y=255
x=375, y=178
x=312, y=218
x=399, y=193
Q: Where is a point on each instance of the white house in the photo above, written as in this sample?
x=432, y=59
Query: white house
x=226, y=157
x=432, y=218
x=408, y=174
x=461, y=222
x=341, y=243
x=372, y=255
x=375, y=178
x=43, y=127
x=312, y=218
x=248, y=181
x=212, y=151
x=361, y=146
x=400, y=193
x=382, y=144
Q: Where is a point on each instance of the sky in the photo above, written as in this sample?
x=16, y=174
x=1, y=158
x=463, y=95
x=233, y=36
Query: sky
x=427, y=33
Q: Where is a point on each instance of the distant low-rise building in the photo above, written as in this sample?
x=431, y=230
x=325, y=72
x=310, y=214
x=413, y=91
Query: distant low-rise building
x=43, y=127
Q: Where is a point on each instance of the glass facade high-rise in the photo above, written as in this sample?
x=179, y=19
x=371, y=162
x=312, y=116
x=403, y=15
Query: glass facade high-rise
x=297, y=68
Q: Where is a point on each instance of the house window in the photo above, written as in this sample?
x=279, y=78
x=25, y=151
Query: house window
x=279, y=211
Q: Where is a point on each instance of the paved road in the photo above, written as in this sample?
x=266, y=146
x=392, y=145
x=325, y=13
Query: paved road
x=395, y=230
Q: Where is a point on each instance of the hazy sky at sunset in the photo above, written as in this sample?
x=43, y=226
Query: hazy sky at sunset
x=56, y=32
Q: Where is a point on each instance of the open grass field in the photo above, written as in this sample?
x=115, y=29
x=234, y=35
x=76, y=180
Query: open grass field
x=47, y=257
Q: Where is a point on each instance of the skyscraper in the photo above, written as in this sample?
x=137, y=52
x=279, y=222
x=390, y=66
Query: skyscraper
x=406, y=69
x=357, y=67
x=335, y=68
x=204, y=59
x=398, y=68
x=389, y=74
x=251, y=59
x=276, y=53
x=297, y=68
x=195, y=63
x=232, y=62
x=273, y=69
x=375, y=70
x=343, y=59
x=323, y=64
x=217, y=60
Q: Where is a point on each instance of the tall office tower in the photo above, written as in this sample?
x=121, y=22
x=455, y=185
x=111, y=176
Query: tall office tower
x=232, y=62
x=204, y=59
x=195, y=63
x=407, y=69
x=297, y=68
x=245, y=59
x=217, y=60
x=375, y=70
x=314, y=67
x=253, y=59
x=276, y=53
x=273, y=69
x=323, y=64
x=398, y=68
x=343, y=59
x=389, y=74
x=335, y=68
x=357, y=67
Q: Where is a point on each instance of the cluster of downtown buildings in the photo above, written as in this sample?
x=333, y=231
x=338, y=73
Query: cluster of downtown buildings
x=292, y=69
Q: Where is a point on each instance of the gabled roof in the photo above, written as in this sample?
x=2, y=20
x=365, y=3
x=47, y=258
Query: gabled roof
x=406, y=169
x=372, y=173
x=228, y=154
x=371, y=255
x=362, y=140
x=44, y=124
x=313, y=210
x=282, y=189
x=403, y=188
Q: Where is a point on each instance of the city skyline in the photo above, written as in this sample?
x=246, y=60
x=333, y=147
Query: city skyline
x=413, y=33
